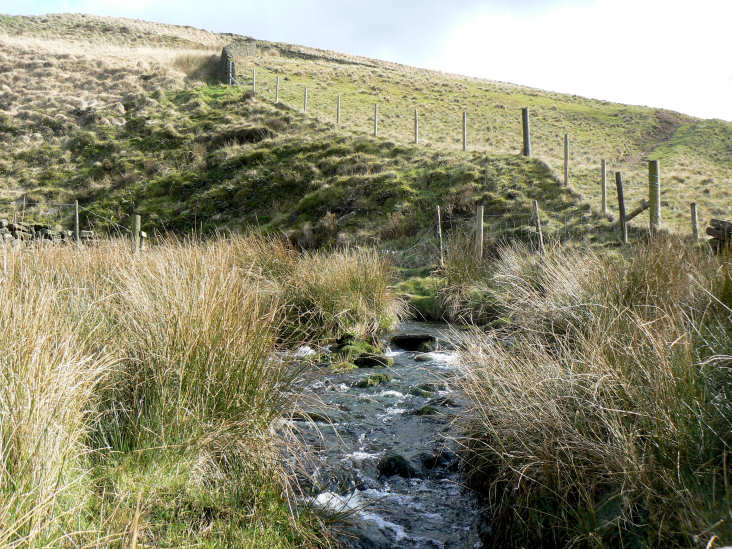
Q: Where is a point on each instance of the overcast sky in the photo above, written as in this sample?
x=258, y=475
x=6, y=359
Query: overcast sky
x=662, y=53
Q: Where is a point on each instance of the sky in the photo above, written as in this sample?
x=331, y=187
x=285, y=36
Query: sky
x=672, y=54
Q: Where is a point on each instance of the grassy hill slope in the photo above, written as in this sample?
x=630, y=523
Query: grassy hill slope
x=136, y=120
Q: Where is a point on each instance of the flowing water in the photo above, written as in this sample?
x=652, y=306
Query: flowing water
x=381, y=452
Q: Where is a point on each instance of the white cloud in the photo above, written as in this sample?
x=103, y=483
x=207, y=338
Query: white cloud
x=673, y=54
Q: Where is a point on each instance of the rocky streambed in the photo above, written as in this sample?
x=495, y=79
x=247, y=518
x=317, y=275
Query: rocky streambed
x=379, y=436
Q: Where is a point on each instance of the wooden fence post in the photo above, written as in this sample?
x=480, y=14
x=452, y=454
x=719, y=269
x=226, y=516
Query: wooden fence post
x=416, y=127
x=439, y=236
x=305, y=102
x=254, y=81
x=77, y=237
x=654, y=195
x=338, y=112
x=376, y=119
x=527, y=131
x=136, y=233
x=465, y=131
x=566, y=160
x=621, y=208
x=231, y=74
x=479, y=232
x=604, y=187
x=277, y=90
x=694, y=222
x=542, y=250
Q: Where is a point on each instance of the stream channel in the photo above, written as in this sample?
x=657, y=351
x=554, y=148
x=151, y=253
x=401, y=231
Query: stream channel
x=382, y=454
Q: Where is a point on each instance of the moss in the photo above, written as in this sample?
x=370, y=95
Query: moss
x=373, y=380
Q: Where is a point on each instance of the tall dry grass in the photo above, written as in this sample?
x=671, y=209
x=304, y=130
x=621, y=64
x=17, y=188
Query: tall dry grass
x=134, y=377
x=604, y=419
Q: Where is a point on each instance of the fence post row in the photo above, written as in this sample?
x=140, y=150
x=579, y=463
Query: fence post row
x=654, y=194
x=526, y=130
x=77, y=235
x=439, y=236
x=479, y=232
x=136, y=233
x=694, y=222
x=604, y=188
x=621, y=208
x=566, y=160
x=542, y=250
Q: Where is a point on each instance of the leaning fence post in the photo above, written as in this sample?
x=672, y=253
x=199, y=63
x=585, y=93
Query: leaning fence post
x=527, y=130
x=566, y=159
x=542, y=250
x=439, y=236
x=277, y=90
x=465, y=131
x=694, y=222
x=621, y=208
x=654, y=194
x=604, y=188
x=479, y=232
x=338, y=112
x=136, y=233
x=376, y=119
x=77, y=238
x=305, y=102
x=416, y=126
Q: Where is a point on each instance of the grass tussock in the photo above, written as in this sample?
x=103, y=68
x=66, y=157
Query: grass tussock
x=603, y=417
x=141, y=393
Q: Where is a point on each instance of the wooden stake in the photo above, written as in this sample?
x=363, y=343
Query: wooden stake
x=77, y=239
x=338, y=112
x=566, y=160
x=542, y=250
x=694, y=221
x=527, y=131
x=465, y=131
x=376, y=119
x=305, y=102
x=277, y=90
x=479, y=232
x=416, y=127
x=621, y=208
x=136, y=233
x=604, y=187
x=654, y=195
x=439, y=236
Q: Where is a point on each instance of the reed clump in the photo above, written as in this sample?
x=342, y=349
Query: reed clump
x=602, y=416
x=141, y=393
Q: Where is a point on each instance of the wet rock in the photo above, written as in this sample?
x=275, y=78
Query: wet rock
x=443, y=401
x=423, y=357
x=426, y=410
x=444, y=459
x=423, y=343
x=395, y=465
x=372, y=381
x=418, y=391
x=367, y=360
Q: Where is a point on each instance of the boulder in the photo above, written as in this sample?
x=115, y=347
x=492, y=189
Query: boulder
x=422, y=343
x=395, y=465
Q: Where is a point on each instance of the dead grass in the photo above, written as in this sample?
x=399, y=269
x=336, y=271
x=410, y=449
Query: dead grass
x=601, y=417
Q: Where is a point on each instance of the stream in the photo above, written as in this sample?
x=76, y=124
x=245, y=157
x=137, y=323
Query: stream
x=381, y=453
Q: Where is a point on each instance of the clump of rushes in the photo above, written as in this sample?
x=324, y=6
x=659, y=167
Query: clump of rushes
x=141, y=393
x=608, y=420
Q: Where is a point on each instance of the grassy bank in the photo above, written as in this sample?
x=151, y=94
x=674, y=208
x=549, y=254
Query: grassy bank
x=141, y=393
x=602, y=415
